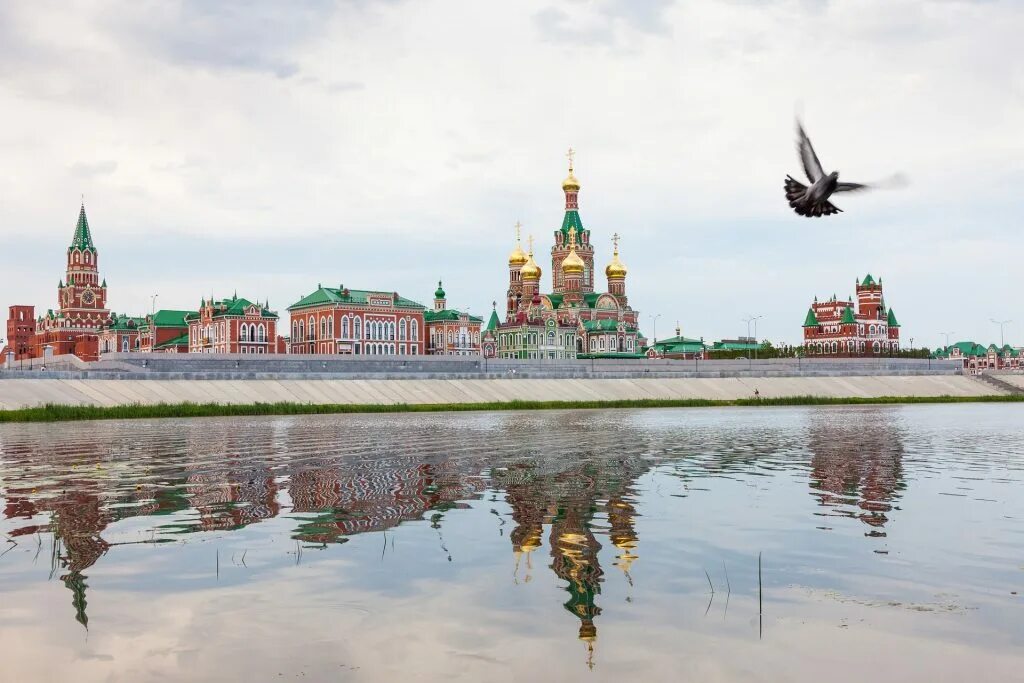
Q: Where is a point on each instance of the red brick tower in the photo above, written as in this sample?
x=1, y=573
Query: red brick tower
x=21, y=330
x=869, y=299
x=82, y=301
x=584, y=250
x=516, y=260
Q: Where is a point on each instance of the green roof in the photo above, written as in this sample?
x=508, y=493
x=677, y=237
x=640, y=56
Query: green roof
x=493, y=322
x=868, y=281
x=679, y=344
x=125, y=322
x=439, y=292
x=572, y=220
x=734, y=346
x=330, y=295
x=83, y=238
x=235, y=306
x=448, y=314
x=811, y=320
x=607, y=324
x=848, y=315
x=177, y=341
x=892, y=319
x=165, y=318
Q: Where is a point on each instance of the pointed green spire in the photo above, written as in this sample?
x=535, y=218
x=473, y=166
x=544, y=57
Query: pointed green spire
x=493, y=323
x=83, y=238
x=847, y=315
x=892, y=319
x=868, y=281
x=811, y=320
x=104, y=285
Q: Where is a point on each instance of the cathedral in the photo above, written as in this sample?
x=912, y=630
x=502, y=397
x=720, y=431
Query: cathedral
x=573, y=320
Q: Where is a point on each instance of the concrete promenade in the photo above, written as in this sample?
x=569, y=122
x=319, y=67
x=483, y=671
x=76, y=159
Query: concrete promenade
x=23, y=393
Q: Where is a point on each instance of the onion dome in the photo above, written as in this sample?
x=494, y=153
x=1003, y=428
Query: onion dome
x=573, y=264
x=571, y=184
x=530, y=270
x=616, y=269
x=439, y=292
x=517, y=257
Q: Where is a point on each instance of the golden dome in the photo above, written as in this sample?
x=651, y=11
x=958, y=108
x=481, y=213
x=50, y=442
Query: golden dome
x=530, y=270
x=571, y=183
x=573, y=263
x=517, y=257
x=616, y=269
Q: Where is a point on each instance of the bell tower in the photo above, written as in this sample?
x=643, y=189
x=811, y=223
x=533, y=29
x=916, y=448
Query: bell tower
x=82, y=299
x=584, y=250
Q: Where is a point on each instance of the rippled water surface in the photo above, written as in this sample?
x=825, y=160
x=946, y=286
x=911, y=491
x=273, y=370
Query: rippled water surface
x=588, y=545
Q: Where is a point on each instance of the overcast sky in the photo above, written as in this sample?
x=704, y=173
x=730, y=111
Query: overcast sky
x=269, y=146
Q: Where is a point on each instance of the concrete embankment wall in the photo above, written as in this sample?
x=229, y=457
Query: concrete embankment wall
x=24, y=393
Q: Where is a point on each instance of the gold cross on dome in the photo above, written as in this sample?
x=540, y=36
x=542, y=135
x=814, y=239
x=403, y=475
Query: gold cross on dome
x=530, y=240
x=571, y=154
x=615, y=241
x=519, y=227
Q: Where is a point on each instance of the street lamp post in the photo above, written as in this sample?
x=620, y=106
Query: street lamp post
x=946, y=334
x=152, y=303
x=1002, y=324
x=654, y=327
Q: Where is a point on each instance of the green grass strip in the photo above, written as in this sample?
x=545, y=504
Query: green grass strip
x=60, y=413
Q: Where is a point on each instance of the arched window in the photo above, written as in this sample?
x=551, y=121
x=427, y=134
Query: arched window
x=874, y=347
x=835, y=347
x=344, y=327
x=391, y=331
x=402, y=328
x=295, y=331
x=330, y=326
x=414, y=331
x=124, y=345
x=391, y=347
x=245, y=333
x=262, y=333
x=87, y=257
x=357, y=330
x=312, y=328
x=323, y=327
x=302, y=331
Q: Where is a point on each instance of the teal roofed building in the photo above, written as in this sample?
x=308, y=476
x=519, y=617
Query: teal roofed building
x=361, y=322
x=231, y=325
x=978, y=358
x=679, y=347
x=849, y=328
x=451, y=332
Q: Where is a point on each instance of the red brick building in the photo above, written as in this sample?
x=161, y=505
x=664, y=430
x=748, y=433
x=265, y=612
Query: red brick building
x=451, y=332
x=834, y=328
x=232, y=325
x=21, y=330
x=356, y=322
x=120, y=335
x=81, y=306
x=166, y=332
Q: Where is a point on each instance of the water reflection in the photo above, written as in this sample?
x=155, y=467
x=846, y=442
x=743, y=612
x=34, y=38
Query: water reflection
x=856, y=467
x=580, y=484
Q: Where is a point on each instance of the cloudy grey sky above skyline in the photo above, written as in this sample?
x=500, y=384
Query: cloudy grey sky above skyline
x=266, y=147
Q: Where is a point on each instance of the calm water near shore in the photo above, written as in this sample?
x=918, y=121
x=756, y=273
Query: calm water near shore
x=577, y=545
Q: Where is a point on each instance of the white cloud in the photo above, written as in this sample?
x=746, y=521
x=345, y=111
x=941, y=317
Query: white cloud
x=444, y=122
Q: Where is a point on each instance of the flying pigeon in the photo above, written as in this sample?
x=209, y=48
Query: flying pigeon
x=813, y=200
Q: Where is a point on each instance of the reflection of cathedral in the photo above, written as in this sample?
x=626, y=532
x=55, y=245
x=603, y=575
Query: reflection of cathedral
x=573, y=320
x=569, y=498
x=857, y=465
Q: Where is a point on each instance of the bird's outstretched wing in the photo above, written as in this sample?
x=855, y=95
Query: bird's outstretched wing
x=851, y=187
x=812, y=167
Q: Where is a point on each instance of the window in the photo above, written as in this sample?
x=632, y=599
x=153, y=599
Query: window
x=402, y=330
x=323, y=327
x=302, y=331
x=245, y=333
x=414, y=331
x=262, y=333
x=874, y=347
x=295, y=331
x=344, y=327
x=312, y=328
x=358, y=328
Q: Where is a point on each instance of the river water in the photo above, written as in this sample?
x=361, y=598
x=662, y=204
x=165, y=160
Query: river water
x=583, y=545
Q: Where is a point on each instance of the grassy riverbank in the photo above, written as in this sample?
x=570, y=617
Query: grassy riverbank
x=60, y=413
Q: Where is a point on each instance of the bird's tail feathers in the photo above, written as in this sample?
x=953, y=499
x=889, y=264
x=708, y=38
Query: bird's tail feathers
x=794, y=190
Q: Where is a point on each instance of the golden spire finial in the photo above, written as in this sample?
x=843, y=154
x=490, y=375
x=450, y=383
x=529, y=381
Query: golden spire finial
x=570, y=155
x=519, y=227
x=530, y=241
x=615, y=241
